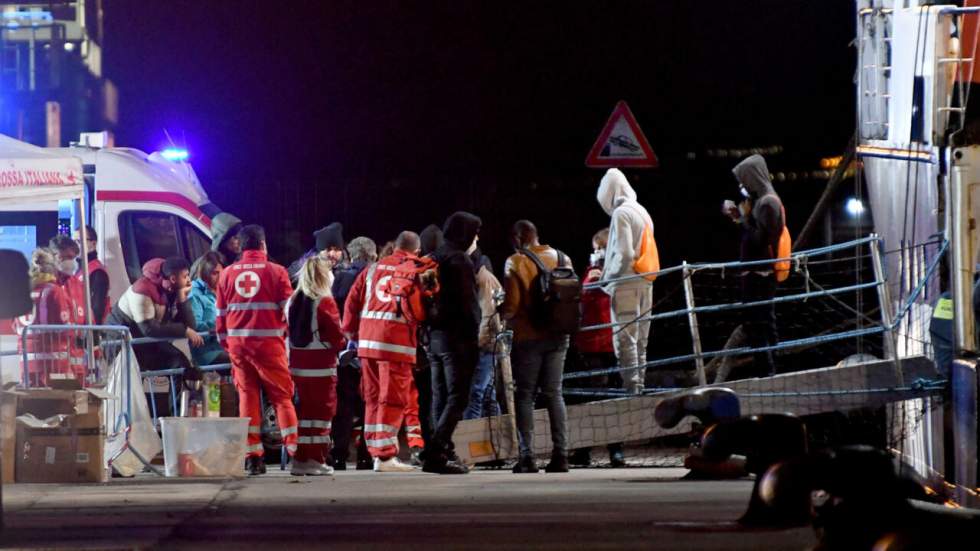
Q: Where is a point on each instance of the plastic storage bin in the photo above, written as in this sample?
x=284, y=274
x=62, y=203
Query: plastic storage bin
x=204, y=446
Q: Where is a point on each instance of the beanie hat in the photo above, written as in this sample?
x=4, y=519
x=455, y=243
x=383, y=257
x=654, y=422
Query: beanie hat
x=330, y=236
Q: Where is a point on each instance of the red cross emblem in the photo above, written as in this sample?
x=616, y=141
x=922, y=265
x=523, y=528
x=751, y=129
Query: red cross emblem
x=247, y=284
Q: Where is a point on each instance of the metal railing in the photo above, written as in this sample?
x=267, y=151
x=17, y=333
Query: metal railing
x=888, y=325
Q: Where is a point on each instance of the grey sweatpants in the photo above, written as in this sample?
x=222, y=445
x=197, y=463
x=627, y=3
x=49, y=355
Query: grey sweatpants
x=631, y=300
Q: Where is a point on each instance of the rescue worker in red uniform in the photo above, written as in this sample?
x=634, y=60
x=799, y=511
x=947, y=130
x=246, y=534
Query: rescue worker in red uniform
x=47, y=352
x=98, y=279
x=67, y=251
x=251, y=325
x=386, y=346
x=314, y=341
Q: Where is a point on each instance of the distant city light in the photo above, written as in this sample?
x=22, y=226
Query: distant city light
x=854, y=207
x=174, y=154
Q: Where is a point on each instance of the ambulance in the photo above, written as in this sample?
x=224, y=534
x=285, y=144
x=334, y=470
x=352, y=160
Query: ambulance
x=140, y=205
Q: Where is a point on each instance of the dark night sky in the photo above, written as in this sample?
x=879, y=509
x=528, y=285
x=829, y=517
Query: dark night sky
x=392, y=114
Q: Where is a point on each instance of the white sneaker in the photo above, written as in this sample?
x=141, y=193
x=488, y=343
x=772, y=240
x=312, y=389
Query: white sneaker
x=391, y=465
x=310, y=468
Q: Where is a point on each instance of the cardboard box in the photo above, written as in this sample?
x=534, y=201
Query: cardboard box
x=60, y=436
x=8, y=436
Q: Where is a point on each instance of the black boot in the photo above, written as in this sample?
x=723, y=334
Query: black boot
x=525, y=465
x=438, y=461
x=581, y=457
x=254, y=465
x=559, y=462
x=616, y=458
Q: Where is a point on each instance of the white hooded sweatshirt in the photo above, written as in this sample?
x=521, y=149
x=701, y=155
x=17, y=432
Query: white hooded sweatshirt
x=629, y=217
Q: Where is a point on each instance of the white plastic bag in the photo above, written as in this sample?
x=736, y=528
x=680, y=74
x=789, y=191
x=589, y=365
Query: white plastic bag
x=142, y=437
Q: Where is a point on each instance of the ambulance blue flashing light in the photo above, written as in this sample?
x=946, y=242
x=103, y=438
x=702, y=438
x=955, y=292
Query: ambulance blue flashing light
x=175, y=155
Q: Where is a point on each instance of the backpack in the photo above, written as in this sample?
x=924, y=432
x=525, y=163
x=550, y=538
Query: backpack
x=556, y=297
x=300, y=319
x=414, y=285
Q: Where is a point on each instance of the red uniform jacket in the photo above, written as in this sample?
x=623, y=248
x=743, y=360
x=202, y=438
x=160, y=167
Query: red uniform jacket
x=595, y=311
x=382, y=332
x=321, y=353
x=251, y=301
x=47, y=352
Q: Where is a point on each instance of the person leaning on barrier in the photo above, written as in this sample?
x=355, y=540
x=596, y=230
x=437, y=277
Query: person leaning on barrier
x=47, y=353
x=204, y=305
x=157, y=307
x=632, y=297
x=67, y=251
x=538, y=354
x=760, y=218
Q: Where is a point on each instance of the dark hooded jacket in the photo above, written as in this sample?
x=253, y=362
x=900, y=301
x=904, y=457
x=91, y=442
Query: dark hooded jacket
x=223, y=226
x=763, y=227
x=457, y=306
x=343, y=281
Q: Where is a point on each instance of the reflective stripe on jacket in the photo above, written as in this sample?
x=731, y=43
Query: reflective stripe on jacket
x=251, y=301
x=374, y=316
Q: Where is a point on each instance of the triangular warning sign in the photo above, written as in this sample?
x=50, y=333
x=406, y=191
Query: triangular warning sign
x=622, y=143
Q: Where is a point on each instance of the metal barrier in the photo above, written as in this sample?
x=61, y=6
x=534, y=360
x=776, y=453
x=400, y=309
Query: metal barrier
x=887, y=326
x=54, y=346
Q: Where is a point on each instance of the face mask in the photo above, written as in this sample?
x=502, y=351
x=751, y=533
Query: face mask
x=745, y=192
x=597, y=256
x=68, y=267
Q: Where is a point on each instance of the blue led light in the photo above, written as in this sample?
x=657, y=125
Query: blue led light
x=174, y=154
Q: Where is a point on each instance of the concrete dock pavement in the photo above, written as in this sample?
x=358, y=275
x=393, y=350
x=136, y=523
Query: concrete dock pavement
x=635, y=508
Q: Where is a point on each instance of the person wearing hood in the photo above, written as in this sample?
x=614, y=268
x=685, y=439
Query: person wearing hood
x=760, y=218
x=349, y=418
x=453, y=340
x=224, y=237
x=204, y=304
x=328, y=243
x=631, y=295
x=158, y=306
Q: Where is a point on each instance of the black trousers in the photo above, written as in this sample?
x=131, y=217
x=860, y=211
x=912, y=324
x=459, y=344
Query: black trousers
x=760, y=322
x=350, y=411
x=452, y=361
x=423, y=382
